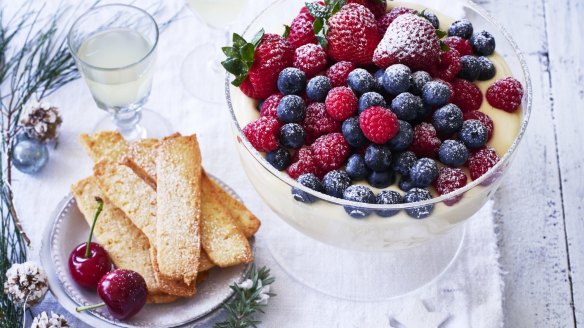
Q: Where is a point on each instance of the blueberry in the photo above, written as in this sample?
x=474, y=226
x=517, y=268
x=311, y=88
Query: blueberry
x=291, y=109
x=388, y=197
x=462, y=28
x=279, y=158
x=353, y=133
x=396, y=79
x=356, y=168
x=259, y=105
x=378, y=158
x=483, y=43
x=359, y=194
x=309, y=181
x=381, y=179
x=436, y=93
x=370, y=99
x=470, y=68
x=318, y=87
x=487, y=68
x=360, y=81
x=402, y=163
x=418, y=195
x=335, y=182
x=447, y=119
x=432, y=18
x=407, y=107
x=378, y=77
x=292, y=135
x=403, y=138
x=473, y=134
x=453, y=153
x=406, y=184
x=418, y=81
x=424, y=172
x=291, y=81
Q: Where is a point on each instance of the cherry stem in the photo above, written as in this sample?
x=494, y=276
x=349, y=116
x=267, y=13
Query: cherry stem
x=97, y=212
x=89, y=307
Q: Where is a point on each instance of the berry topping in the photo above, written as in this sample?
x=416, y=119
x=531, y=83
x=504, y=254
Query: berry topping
x=448, y=119
x=483, y=43
x=330, y=151
x=432, y=18
x=336, y=182
x=292, y=135
x=388, y=197
x=450, y=179
x=467, y=96
x=279, y=158
x=484, y=118
x=425, y=143
x=469, y=68
x=301, y=32
x=461, y=28
x=311, y=59
x=270, y=105
x=263, y=133
x=409, y=40
x=378, y=124
x=353, y=133
x=291, y=81
x=384, y=22
x=418, y=81
x=356, y=167
x=473, y=134
x=381, y=180
x=339, y=72
x=418, y=195
x=459, y=44
x=371, y=99
x=424, y=172
x=448, y=67
x=318, y=87
x=291, y=109
x=377, y=7
x=378, y=158
x=308, y=181
x=453, y=153
x=436, y=93
x=318, y=122
x=403, y=139
x=396, y=79
x=360, y=81
x=487, y=69
x=505, y=94
x=303, y=163
x=403, y=162
x=480, y=161
x=341, y=103
x=361, y=194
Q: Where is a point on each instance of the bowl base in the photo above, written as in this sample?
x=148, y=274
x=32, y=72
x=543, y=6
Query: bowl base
x=361, y=276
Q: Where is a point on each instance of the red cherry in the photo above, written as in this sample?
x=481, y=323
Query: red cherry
x=87, y=271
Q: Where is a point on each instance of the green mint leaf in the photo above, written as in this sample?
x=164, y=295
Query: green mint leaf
x=286, y=31
x=233, y=65
x=230, y=52
x=316, y=10
x=322, y=41
x=257, y=38
x=318, y=25
x=444, y=46
x=440, y=34
x=238, y=41
x=247, y=52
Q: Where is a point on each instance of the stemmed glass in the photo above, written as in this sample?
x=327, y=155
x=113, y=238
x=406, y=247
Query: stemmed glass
x=201, y=72
x=114, y=47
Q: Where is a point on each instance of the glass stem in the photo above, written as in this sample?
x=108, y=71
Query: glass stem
x=128, y=123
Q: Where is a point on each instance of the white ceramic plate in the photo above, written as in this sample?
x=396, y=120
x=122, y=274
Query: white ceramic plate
x=70, y=229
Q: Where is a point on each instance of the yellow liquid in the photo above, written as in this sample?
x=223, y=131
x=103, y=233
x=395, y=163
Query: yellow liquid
x=217, y=13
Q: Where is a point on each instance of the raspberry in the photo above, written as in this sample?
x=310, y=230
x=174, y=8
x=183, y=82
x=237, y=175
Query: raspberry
x=448, y=67
x=270, y=105
x=303, y=163
x=384, y=22
x=425, y=143
x=459, y=44
x=301, y=31
x=505, y=94
x=311, y=59
x=318, y=122
x=483, y=118
x=330, y=151
x=480, y=161
x=341, y=103
x=263, y=133
x=467, y=95
x=450, y=179
x=339, y=72
x=379, y=124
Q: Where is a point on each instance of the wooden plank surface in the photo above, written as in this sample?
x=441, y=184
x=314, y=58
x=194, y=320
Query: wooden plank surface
x=566, y=60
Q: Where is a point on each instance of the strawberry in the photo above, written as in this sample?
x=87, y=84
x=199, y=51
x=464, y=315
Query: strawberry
x=388, y=18
x=301, y=32
x=377, y=7
x=410, y=40
x=256, y=64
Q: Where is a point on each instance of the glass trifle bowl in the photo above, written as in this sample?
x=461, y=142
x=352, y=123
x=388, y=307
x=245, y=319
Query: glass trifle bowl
x=325, y=248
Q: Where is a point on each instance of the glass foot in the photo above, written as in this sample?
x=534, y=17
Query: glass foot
x=151, y=125
x=203, y=76
x=361, y=276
